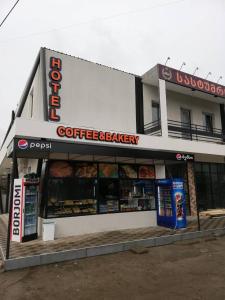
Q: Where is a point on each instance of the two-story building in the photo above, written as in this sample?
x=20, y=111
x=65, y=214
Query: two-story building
x=99, y=137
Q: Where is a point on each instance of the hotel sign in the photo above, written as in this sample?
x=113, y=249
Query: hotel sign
x=190, y=81
x=55, y=77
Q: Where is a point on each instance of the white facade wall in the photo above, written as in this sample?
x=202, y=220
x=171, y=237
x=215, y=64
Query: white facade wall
x=38, y=111
x=33, y=108
x=26, y=113
x=95, y=96
x=48, y=130
x=106, y=222
x=176, y=101
x=150, y=93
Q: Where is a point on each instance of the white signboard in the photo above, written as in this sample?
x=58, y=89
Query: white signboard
x=17, y=211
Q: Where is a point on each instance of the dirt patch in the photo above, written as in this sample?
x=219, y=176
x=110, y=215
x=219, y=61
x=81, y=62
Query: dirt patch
x=194, y=271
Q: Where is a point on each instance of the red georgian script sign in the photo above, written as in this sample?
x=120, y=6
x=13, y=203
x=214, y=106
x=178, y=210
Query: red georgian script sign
x=188, y=80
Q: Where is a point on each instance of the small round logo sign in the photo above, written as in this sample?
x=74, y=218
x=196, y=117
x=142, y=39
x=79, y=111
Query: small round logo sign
x=178, y=156
x=166, y=73
x=23, y=144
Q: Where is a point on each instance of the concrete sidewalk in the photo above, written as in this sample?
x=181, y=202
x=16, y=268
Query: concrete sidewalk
x=39, y=252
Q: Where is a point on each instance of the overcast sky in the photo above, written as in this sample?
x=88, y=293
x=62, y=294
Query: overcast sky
x=125, y=34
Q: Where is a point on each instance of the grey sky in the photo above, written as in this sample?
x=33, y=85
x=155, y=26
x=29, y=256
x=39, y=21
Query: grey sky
x=125, y=34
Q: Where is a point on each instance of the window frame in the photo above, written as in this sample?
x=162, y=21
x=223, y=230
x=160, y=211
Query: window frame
x=98, y=178
x=154, y=105
x=211, y=115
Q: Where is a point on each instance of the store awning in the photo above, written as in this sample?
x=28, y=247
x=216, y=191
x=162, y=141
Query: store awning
x=36, y=148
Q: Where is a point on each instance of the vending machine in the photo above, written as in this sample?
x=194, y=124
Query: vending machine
x=25, y=209
x=171, y=208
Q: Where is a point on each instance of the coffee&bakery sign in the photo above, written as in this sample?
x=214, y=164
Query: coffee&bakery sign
x=95, y=135
x=193, y=82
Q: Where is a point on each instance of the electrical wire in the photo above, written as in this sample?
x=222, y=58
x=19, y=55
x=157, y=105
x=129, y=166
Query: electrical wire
x=9, y=13
x=142, y=10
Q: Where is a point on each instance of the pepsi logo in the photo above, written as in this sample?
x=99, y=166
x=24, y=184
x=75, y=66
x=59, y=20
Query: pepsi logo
x=178, y=156
x=23, y=144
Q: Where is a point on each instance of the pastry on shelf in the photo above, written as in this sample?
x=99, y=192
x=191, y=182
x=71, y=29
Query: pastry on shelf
x=68, y=202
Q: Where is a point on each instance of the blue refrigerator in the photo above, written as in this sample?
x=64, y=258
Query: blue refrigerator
x=171, y=207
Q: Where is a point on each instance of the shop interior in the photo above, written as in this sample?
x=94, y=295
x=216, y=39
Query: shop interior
x=75, y=188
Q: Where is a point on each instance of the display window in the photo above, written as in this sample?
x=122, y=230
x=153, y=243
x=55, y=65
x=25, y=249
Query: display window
x=86, y=170
x=60, y=169
x=108, y=195
x=84, y=188
x=108, y=170
x=146, y=172
x=128, y=171
x=71, y=196
x=137, y=195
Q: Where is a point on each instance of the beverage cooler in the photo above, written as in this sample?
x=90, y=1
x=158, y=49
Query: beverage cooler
x=25, y=209
x=171, y=208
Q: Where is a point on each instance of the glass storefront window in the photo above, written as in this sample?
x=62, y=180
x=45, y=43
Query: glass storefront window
x=108, y=195
x=60, y=169
x=146, y=172
x=85, y=170
x=210, y=183
x=71, y=196
x=128, y=171
x=81, y=188
x=108, y=170
x=137, y=195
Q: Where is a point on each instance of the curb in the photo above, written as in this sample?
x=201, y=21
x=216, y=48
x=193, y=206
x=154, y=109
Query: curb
x=53, y=257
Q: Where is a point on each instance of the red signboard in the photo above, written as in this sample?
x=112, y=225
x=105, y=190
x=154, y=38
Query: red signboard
x=55, y=77
x=188, y=80
x=95, y=135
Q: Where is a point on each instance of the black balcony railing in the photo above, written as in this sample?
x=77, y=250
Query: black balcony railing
x=153, y=128
x=187, y=131
x=195, y=132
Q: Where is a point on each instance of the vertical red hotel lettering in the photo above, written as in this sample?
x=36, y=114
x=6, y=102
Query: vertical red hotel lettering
x=55, y=77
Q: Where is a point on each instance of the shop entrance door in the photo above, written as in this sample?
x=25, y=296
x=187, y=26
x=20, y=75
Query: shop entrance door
x=210, y=184
x=186, y=123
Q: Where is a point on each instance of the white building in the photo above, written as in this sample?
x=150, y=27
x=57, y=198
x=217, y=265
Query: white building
x=91, y=132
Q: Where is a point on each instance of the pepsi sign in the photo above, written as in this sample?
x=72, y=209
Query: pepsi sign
x=39, y=145
x=22, y=144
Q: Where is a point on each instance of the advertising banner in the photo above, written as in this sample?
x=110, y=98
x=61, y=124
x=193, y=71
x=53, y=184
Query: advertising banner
x=191, y=81
x=17, y=213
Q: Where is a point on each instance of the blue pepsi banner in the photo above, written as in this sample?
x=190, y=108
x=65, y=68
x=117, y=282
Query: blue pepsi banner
x=171, y=207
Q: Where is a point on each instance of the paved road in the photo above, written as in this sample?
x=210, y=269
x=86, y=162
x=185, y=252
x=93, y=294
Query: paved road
x=185, y=270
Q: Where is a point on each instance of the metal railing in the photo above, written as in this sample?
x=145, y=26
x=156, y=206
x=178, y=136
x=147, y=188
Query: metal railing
x=187, y=131
x=153, y=128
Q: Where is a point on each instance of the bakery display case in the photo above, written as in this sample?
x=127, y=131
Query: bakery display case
x=73, y=207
